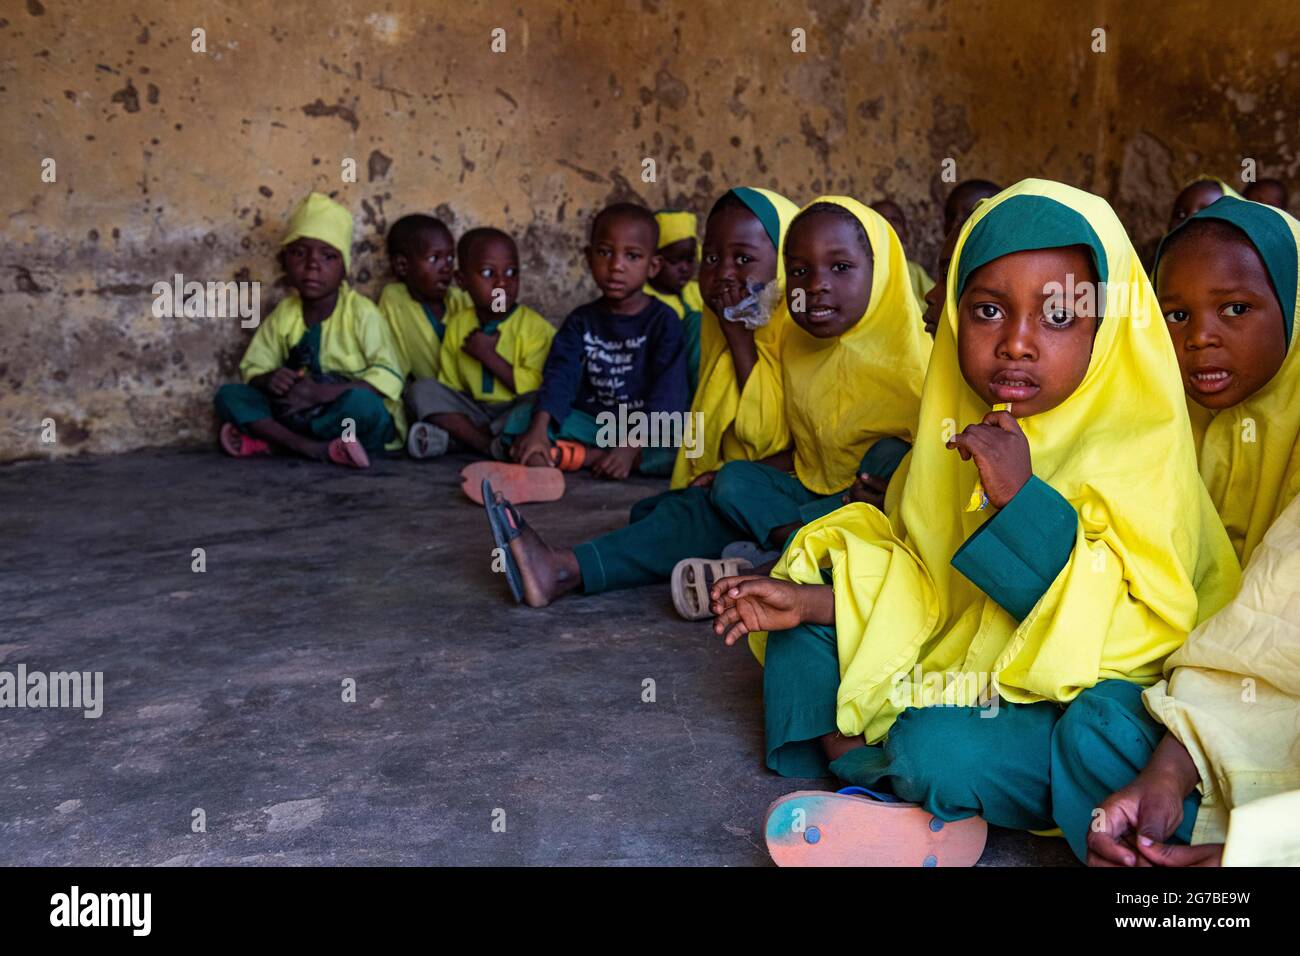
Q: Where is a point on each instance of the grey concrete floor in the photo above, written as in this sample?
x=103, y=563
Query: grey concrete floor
x=223, y=690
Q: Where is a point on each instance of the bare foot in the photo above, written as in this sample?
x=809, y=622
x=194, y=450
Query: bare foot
x=836, y=745
x=547, y=573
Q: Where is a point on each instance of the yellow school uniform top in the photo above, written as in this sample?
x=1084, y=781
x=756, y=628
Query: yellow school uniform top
x=418, y=338
x=1232, y=697
x=845, y=394
x=921, y=282
x=748, y=424
x=525, y=342
x=1250, y=453
x=1142, y=556
x=354, y=342
x=690, y=299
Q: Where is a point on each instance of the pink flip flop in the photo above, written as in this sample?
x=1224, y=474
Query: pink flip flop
x=520, y=483
x=238, y=445
x=348, y=453
x=856, y=827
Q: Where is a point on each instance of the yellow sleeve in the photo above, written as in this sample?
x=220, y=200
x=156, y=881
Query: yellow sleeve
x=1264, y=832
x=392, y=319
x=449, y=356
x=267, y=351
x=383, y=368
x=534, y=345
x=761, y=425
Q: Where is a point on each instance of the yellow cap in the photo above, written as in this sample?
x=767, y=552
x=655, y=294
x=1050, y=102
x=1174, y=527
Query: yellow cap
x=319, y=217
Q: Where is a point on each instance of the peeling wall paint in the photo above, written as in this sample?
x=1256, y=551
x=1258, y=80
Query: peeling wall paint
x=173, y=161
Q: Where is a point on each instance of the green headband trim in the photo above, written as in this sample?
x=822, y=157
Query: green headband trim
x=1022, y=224
x=761, y=207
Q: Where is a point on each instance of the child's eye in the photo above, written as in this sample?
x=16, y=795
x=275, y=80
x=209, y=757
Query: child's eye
x=1059, y=319
x=485, y=273
x=987, y=311
x=634, y=256
x=511, y=273
x=1237, y=308
x=1174, y=316
x=799, y=271
x=711, y=259
x=743, y=260
x=842, y=267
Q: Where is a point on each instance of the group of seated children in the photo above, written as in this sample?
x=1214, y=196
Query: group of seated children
x=993, y=572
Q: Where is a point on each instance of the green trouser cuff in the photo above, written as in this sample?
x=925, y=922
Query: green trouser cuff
x=590, y=567
x=820, y=508
x=1016, y=555
x=883, y=458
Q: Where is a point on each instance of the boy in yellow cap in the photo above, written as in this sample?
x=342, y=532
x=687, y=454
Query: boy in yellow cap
x=675, y=283
x=321, y=376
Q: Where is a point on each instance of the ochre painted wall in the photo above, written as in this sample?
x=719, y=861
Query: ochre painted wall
x=168, y=160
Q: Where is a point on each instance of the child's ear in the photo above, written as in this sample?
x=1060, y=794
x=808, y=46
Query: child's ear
x=459, y=277
x=656, y=263
x=400, y=266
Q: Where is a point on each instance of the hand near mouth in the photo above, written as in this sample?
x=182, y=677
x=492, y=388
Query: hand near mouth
x=1001, y=453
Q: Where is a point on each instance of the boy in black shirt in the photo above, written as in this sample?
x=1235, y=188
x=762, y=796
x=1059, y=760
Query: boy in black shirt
x=613, y=358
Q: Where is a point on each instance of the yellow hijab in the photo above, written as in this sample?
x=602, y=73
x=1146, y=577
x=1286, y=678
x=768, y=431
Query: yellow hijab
x=1150, y=558
x=1250, y=453
x=742, y=426
x=842, y=395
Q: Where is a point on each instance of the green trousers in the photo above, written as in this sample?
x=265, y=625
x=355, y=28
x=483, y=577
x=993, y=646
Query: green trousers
x=241, y=405
x=746, y=501
x=1023, y=766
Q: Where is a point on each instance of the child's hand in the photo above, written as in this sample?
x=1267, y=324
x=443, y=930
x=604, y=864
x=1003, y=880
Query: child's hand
x=281, y=380
x=533, y=447
x=1166, y=854
x=753, y=602
x=303, y=394
x=703, y=481
x=1001, y=453
x=867, y=489
x=479, y=344
x=1150, y=808
x=616, y=464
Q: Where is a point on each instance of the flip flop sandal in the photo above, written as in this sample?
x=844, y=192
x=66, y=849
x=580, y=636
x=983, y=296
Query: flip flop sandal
x=569, y=455
x=350, y=454
x=692, y=578
x=426, y=441
x=238, y=445
x=520, y=483
x=506, y=525
x=858, y=827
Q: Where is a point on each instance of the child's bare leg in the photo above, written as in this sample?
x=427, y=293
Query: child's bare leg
x=548, y=573
x=272, y=431
x=836, y=745
x=459, y=427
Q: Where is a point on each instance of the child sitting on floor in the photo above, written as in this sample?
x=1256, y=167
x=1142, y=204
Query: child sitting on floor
x=1227, y=284
x=491, y=357
x=893, y=214
x=422, y=253
x=321, y=374
x=625, y=350
x=674, y=284
x=1227, y=281
x=852, y=363
x=1054, y=550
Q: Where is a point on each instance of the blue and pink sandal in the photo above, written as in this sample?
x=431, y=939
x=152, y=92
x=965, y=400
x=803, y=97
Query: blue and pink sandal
x=858, y=827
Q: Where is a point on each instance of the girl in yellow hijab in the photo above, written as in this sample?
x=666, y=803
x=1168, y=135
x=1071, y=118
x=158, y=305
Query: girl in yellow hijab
x=739, y=393
x=852, y=364
x=1227, y=283
x=1053, y=538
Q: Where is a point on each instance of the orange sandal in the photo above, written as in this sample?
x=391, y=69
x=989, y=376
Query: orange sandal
x=520, y=483
x=857, y=827
x=238, y=445
x=350, y=454
x=569, y=455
